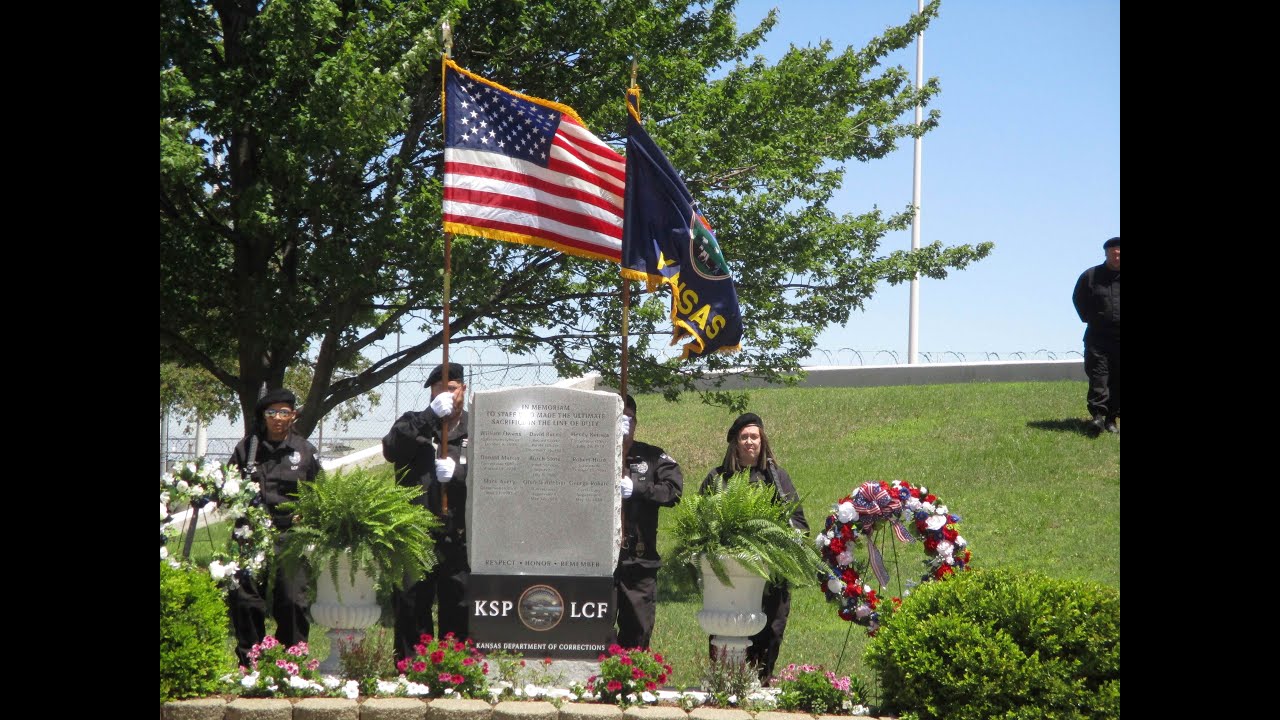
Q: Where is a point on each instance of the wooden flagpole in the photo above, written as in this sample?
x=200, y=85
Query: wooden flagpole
x=447, y=34
x=626, y=286
x=622, y=390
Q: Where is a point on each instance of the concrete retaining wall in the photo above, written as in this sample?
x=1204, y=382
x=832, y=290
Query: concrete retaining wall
x=920, y=374
x=412, y=709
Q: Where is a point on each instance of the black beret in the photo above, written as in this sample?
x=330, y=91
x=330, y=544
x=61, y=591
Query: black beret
x=455, y=373
x=1115, y=241
x=279, y=395
x=743, y=420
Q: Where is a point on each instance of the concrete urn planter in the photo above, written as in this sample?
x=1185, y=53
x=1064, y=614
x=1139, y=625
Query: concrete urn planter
x=731, y=615
x=345, y=610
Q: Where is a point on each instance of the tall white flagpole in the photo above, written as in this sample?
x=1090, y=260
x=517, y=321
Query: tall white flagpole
x=913, y=340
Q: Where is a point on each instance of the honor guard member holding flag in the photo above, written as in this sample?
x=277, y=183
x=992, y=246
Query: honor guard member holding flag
x=650, y=480
x=412, y=444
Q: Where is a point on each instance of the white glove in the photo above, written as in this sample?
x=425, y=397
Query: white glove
x=624, y=426
x=444, y=469
x=442, y=405
x=625, y=484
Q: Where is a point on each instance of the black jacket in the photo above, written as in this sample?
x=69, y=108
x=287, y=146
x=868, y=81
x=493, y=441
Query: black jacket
x=411, y=445
x=1097, y=301
x=278, y=468
x=775, y=476
x=656, y=482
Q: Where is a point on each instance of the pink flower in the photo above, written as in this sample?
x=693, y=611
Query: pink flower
x=468, y=661
x=313, y=664
x=614, y=649
x=651, y=686
x=402, y=665
x=420, y=649
x=458, y=679
x=269, y=642
x=445, y=677
x=636, y=673
x=419, y=667
x=437, y=657
x=298, y=650
x=614, y=686
x=625, y=660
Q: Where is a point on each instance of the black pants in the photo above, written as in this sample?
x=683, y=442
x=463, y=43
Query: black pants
x=636, y=598
x=1102, y=365
x=289, y=604
x=445, y=584
x=763, y=651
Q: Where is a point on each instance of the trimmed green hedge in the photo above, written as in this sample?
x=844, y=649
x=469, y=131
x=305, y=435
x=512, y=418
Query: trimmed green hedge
x=193, y=634
x=1002, y=644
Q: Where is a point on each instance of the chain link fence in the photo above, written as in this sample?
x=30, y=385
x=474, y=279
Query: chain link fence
x=405, y=392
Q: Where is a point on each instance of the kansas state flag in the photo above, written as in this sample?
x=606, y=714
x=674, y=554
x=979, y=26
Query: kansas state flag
x=666, y=240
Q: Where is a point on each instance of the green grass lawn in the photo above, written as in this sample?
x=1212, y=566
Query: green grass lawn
x=1012, y=459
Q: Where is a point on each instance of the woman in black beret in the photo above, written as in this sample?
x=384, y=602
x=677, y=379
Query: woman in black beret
x=748, y=449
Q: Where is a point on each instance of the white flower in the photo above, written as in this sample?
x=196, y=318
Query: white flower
x=648, y=697
x=174, y=564
x=182, y=486
x=943, y=509
x=913, y=504
x=866, y=588
x=935, y=522
x=244, y=532
x=387, y=687
x=331, y=681
x=821, y=540
x=167, y=478
x=845, y=512
x=197, y=490
x=249, y=680
x=835, y=585
x=632, y=698
x=945, y=548
x=927, y=507
x=351, y=689
x=232, y=487
x=413, y=688
x=191, y=468
x=220, y=571
x=164, y=552
x=298, y=682
x=733, y=699
x=960, y=541
x=164, y=497
x=164, y=511
x=862, y=611
x=924, y=490
x=845, y=557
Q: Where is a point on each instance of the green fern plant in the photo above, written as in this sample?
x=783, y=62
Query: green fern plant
x=362, y=514
x=747, y=522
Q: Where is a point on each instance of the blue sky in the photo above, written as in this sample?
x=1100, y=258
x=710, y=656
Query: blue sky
x=1027, y=155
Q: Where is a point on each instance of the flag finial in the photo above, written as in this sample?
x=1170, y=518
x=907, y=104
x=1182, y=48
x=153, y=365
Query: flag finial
x=447, y=33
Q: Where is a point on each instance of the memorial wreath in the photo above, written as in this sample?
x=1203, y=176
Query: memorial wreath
x=871, y=507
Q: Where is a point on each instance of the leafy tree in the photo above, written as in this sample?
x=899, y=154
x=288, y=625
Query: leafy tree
x=300, y=182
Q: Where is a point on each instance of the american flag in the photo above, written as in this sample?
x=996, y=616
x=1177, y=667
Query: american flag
x=525, y=170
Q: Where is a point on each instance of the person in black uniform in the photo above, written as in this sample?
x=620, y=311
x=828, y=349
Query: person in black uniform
x=412, y=445
x=650, y=480
x=1097, y=301
x=281, y=458
x=749, y=449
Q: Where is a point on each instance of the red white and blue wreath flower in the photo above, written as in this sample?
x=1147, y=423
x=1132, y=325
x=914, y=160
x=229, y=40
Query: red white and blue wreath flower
x=870, y=507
